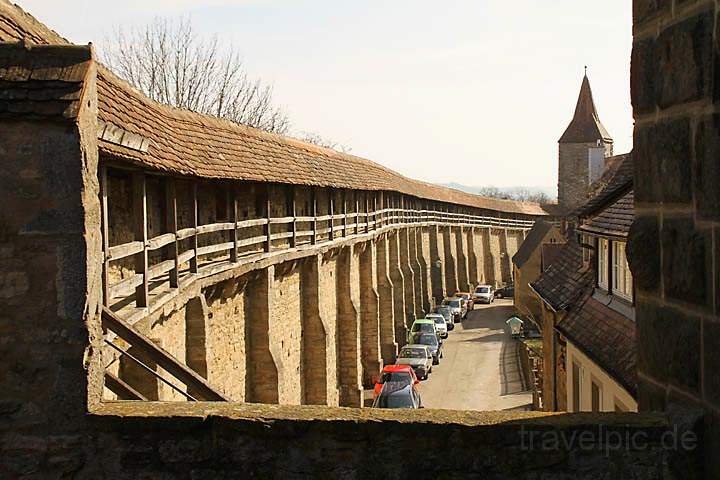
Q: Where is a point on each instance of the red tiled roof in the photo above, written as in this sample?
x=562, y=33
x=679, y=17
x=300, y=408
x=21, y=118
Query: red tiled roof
x=532, y=241
x=616, y=180
x=585, y=126
x=42, y=81
x=188, y=143
x=604, y=335
x=549, y=254
x=615, y=220
x=561, y=284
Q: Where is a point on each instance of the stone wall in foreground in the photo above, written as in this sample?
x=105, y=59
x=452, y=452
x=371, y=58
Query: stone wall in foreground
x=184, y=441
x=674, y=247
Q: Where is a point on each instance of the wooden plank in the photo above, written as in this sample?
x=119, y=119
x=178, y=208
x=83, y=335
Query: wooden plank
x=122, y=389
x=186, y=256
x=375, y=218
x=255, y=222
x=282, y=235
x=234, y=237
x=185, y=233
x=140, y=224
x=220, y=247
x=161, y=268
x=313, y=208
x=268, y=214
x=252, y=241
x=357, y=213
x=161, y=357
x=105, y=235
x=292, y=209
x=125, y=287
x=280, y=221
x=125, y=250
x=367, y=213
x=214, y=227
x=160, y=241
x=171, y=225
x=344, y=213
x=331, y=212
x=194, y=237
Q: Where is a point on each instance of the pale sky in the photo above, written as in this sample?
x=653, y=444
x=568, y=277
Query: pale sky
x=471, y=91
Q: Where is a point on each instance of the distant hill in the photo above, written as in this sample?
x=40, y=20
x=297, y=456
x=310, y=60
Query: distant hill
x=519, y=192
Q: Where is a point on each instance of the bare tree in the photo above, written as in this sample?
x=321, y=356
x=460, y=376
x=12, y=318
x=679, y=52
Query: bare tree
x=317, y=139
x=521, y=194
x=171, y=64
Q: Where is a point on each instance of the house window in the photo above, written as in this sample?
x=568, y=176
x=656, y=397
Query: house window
x=577, y=386
x=596, y=397
x=603, y=259
x=586, y=248
x=622, y=278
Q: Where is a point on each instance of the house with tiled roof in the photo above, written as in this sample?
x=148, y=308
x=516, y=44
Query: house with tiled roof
x=528, y=265
x=584, y=150
x=588, y=298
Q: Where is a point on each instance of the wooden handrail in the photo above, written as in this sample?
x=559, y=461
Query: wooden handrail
x=161, y=357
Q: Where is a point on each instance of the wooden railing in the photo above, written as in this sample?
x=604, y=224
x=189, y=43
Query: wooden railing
x=242, y=244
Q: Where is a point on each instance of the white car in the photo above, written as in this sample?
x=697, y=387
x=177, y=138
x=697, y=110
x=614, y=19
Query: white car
x=484, y=294
x=440, y=323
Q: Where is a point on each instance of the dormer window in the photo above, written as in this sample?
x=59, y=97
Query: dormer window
x=621, y=277
x=603, y=263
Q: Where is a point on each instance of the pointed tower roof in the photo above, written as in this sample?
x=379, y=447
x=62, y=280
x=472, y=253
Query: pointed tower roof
x=585, y=126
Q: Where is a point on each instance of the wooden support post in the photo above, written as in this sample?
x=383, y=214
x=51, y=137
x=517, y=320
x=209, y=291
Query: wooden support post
x=382, y=207
x=357, y=214
x=234, y=214
x=367, y=213
x=375, y=214
x=331, y=208
x=403, y=215
x=314, y=215
x=268, y=215
x=344, y=211
x=172, y=227
x=105, y=235
x=194, y=261
x=141, y=234
x=292, y=211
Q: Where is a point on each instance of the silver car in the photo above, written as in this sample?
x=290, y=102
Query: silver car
x=484, y=294
x=459, y=310
x=418, y=357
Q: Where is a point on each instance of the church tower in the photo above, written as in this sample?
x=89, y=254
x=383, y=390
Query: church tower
x=583, y=149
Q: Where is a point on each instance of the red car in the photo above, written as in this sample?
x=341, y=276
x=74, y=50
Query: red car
x=396, y=373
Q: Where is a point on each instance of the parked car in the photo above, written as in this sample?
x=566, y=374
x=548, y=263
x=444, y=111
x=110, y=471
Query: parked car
x=440, y=324
x=418, y=357
x=505, y=292
x=484, y=294
x=431, y=341
x=395, y=373
x=424, y=325
x=398, y=395
x=458, y=307
x=446, y=311
x=468, y=298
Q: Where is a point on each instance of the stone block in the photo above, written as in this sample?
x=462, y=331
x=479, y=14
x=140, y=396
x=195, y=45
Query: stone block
x=686, y=261
x=706, y=171
x=663, y=164
x=643, y=73
x=644, y=253
x=711, y=380
x=685, y=61
x=669, y=347
x=644, y=10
